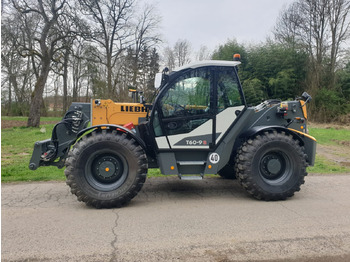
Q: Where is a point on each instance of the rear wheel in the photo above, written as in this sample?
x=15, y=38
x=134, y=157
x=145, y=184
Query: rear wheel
x=271, y=166
x=106, y=169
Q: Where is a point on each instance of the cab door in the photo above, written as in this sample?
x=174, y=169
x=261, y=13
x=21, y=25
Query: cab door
x=183, y=117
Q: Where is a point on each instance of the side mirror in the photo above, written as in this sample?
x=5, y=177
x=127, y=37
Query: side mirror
x=158, y=80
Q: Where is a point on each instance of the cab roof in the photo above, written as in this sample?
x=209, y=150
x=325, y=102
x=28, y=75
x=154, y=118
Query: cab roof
x=208, y=63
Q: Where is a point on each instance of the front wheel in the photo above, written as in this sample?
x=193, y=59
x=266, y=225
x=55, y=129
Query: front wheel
x=271, y=166
x=106, y=169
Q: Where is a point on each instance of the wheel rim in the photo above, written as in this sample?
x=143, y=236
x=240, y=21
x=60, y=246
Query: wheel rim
x=106, y=171
x=275, y=167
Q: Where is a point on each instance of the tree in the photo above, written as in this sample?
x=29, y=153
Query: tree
x=320, y=28
x=287, y=29
x=330, y=104
x=145, y=36
x=254, y=91
x=150, y=66
x=109, y=28
x=70, y=22
x=281, y=69
x=283, y=85
x=67, y=44
x=79, y=67
x=126, y=74
x=46, y=40
x=16, y=69
x=277, y=70
x=343, y=77
x=226, y=52
x=169, y=58
x=41, y=43
x=203, y=53
x=182, y=52
x=339, y=26
x=178, y=55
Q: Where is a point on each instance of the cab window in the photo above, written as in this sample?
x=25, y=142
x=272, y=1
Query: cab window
x=228, y=90
x=185, y=105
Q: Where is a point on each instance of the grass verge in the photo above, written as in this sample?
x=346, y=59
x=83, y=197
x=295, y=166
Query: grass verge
x=17, y=145
x=336, y=138
x=324, y=166
x=331, y=136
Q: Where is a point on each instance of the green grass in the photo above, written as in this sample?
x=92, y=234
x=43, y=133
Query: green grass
x=17, y=146
x=324, y=166
x=25, y=119
x=330, y=136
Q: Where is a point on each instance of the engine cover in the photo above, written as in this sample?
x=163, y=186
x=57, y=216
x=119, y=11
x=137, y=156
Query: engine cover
x=108, y=112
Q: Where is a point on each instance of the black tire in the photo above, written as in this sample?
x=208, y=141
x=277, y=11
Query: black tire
x=106, y=169
x=271, y=166
x=227, y=172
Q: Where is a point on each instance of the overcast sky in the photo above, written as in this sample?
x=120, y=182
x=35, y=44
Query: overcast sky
x=213, y=22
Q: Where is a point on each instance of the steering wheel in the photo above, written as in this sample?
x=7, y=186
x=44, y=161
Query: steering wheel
x=179, y=110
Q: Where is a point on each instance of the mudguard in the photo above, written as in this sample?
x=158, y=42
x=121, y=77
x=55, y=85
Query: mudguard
x=113, y=127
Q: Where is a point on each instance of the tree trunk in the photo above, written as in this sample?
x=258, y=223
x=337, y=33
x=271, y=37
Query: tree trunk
x=65, y=81
x=10, y=100
x=55, y=104
x=109, y=77
x=37, y=97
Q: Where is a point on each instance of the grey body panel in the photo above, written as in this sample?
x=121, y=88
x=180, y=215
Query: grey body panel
x=250, y=123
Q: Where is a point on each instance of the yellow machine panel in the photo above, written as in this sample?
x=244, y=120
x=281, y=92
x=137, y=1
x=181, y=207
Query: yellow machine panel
x=302, y=103
x=109, y=112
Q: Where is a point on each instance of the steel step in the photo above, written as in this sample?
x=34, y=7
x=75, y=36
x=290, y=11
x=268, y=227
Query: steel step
x=191, y=163
x=191, y=177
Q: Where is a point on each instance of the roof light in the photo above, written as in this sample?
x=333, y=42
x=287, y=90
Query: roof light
x=237, y=57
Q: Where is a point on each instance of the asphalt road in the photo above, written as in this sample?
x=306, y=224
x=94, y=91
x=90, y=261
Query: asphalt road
x=172, y=220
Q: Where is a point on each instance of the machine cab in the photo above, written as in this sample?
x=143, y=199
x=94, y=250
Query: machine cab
x=197, y=105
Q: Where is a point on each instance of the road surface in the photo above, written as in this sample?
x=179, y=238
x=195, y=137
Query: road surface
x=173, y=220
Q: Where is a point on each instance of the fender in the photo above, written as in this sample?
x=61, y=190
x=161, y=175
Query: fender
x=258, y=129
x=111, y=127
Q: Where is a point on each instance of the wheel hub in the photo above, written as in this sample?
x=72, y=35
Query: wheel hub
x=272, y=166
x=107, y=169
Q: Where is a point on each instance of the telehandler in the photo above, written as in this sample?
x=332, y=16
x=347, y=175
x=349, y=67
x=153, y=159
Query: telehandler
x=198, y=124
